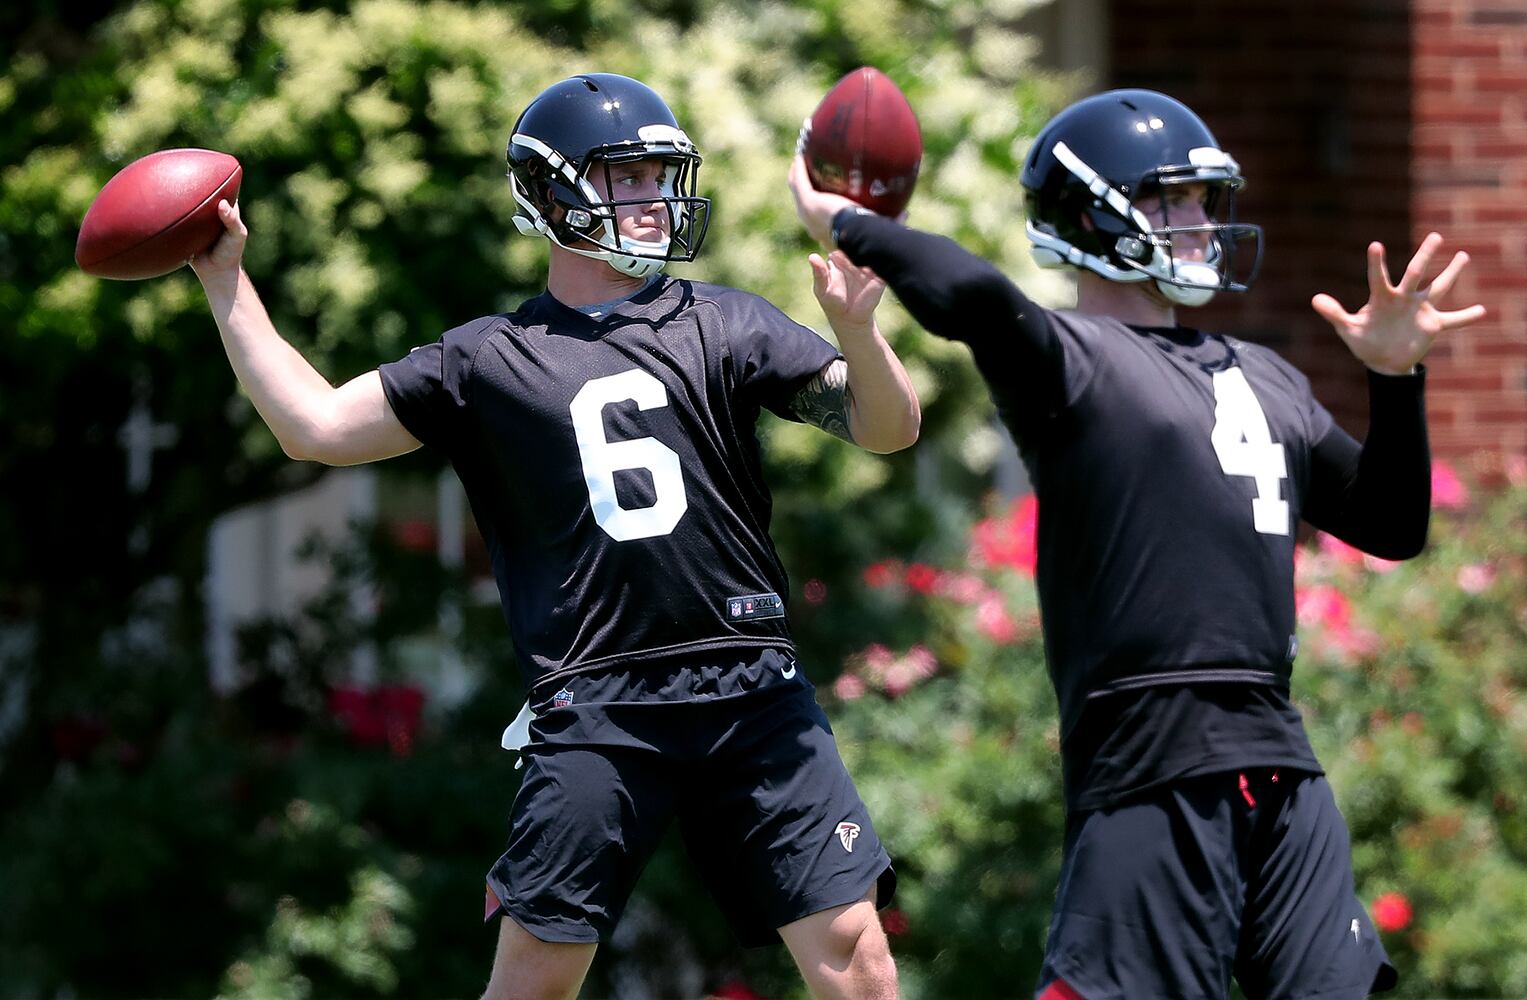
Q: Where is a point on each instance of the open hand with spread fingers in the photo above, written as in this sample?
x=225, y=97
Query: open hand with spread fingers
x=1396, y=327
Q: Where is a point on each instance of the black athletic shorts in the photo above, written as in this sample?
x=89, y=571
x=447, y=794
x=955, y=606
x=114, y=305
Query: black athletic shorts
x=740, y=754
x=1166, y=896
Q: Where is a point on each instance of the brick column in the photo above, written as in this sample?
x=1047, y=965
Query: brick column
x=1469, y=166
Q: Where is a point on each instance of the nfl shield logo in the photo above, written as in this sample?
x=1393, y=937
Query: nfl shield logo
x=562, y=699
x=736, y=608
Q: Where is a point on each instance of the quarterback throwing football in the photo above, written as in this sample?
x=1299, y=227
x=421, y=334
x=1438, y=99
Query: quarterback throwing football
x=1172, y=466
x=605, y=434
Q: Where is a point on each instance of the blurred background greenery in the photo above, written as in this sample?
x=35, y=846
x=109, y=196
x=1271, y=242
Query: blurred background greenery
x=307, y=827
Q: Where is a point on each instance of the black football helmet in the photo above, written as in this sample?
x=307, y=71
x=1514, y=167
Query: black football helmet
x=1096, y=158
x=559, y=162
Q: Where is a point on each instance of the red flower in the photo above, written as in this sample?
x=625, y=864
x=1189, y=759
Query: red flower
x=816, y=592
x=734, y=989
x=895, y=922
x=922, y=578
x=75, y=737
x=415, y=535
x=389, y=714
x=881, y=574
x=1392, y=912
x=1010, y=540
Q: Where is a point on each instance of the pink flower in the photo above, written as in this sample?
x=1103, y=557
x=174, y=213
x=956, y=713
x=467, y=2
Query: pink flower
x=1516, y=470
x=881, y=574
x=849, y=687
x=734, y=989
x=895, y=922
x=815, y=592
x=921, y=662
x=1339, y=550
x=962, y=588
x=1010, y=540
x=1322, y=605
x=922, y=578
x=1448, y=491
x=1392, y=912
x=915, y=665
x=994, y=621
x=1475, y=578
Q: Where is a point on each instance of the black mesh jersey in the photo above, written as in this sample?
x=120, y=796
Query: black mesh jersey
x=1171, y=467
x=1170, y=482
x=613, y=468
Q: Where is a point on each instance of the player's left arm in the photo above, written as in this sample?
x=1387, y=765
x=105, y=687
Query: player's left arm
x=866, y=396
x=1377, y=495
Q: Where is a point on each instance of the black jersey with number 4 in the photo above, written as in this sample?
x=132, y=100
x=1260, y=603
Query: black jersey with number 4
x=613, y=469
x=1172, y=467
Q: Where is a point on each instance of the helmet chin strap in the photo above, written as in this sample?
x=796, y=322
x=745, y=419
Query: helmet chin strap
x=639, y=266
x=1203, y=280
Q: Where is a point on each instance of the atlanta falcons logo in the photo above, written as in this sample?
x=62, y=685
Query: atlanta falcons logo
x=848, y=833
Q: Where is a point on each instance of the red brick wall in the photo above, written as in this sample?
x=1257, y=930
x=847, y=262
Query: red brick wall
x=1359, y=120
x=1470, y=170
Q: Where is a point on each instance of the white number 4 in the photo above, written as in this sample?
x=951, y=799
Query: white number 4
x=1246, y=448
x=602, y=458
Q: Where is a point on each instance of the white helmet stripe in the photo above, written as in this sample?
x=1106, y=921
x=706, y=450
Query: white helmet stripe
x=1100, y=187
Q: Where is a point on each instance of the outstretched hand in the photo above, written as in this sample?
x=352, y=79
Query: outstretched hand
x=848, y=294
x=1397, y=326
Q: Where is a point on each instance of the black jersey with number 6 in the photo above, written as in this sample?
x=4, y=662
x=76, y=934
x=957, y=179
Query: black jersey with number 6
x=613, y=467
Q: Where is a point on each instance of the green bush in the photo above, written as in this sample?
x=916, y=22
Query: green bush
x=1413, y=683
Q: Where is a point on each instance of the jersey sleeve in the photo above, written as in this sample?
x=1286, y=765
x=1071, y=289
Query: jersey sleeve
x=956, y=295
x=427, y=388
x=1376, y=495
x=774, y=355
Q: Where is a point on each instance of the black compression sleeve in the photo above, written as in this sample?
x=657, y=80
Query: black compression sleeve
x=957, y=295
x=1377, y=495
x=945, y=287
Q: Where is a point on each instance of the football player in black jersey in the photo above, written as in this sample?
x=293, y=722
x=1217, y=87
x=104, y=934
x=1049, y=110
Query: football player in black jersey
x=605, y=434
x=1172, y=466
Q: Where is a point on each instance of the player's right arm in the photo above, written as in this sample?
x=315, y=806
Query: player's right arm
x=949, y=291
x=310, y=418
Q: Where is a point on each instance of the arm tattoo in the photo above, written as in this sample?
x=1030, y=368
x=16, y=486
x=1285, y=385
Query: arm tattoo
x=826, y=401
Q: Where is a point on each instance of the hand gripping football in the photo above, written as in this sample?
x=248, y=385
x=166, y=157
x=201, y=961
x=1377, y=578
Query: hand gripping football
x=157, y=213
x=863, y=142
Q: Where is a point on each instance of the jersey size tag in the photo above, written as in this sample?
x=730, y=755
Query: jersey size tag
x=752, y=606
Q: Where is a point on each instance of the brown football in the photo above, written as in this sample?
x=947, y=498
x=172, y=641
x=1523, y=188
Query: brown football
x=156, y=213
x=863, y=142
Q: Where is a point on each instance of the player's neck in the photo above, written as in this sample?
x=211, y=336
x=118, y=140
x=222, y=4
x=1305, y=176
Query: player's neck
x=1134, y=304
x=575, y=280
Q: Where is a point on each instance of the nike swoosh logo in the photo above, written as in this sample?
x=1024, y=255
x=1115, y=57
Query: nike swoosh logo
x=787, y=674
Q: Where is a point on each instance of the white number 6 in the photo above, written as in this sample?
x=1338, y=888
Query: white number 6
x=603, y=458
x=1245, y=448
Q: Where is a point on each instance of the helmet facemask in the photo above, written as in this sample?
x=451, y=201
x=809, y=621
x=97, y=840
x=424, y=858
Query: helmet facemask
x=568, y=201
